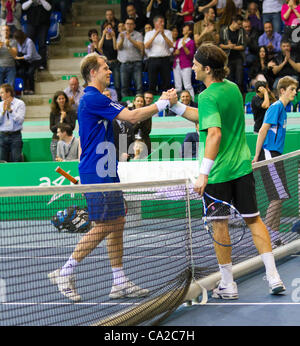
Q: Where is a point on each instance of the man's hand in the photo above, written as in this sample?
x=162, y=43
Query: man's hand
x=255, y=159
x=173, y=98
x=200, y=184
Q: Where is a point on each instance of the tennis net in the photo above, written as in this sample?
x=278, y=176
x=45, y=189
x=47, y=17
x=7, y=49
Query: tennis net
x=165, y=249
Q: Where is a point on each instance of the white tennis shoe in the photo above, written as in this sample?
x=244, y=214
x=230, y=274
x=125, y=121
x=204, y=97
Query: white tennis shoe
x=228, y=291
x=276, y=285
x=127, y=290
x=66, y=285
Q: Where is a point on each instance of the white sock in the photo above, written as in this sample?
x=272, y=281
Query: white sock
x=119, y=276
x=226, y=273
x=69, y=267
x=269, y=262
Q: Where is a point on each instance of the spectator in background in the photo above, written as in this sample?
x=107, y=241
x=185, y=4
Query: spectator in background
x=108, y=47
x=111, y=19
x=232, y=41
x=74, y=92
x=139, y=19
x=187, y=10
x=206, y=26
x=201, y=6
x=190, y=145
x=290, y=15
x=64, y=7
x=287, y=63
x=28, y=60
x=270, y=39
x=149, y=98
x=38, y=21
x=68, y=145
x=254, y=17
x=8, y=52
x=138, y=4
x=251, y=37
x=12, y=115
x=185, y=98
x=123, y=137
x=61, y=112
x=121, y=28
x=183, y=61
x=155, y=8
x=11, y=12
x=228, y=12
x=158, y=43
x=260, y=103
x=94, y=41
x=222, y=6
x=271, y=12
x=130, y=53
x=112, y=94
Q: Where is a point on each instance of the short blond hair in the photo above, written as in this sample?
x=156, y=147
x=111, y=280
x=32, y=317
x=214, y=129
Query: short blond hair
x=285, y=82
x=88, y=63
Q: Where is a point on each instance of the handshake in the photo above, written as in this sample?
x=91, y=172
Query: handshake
x=169, y=99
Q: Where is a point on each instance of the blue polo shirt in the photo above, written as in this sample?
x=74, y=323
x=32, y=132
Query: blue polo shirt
x=98, y=158
x=277, y=117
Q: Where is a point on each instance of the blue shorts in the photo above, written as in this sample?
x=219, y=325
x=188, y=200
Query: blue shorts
x=102, y=206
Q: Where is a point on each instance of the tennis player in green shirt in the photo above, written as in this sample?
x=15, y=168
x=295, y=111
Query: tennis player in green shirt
x=226, y=169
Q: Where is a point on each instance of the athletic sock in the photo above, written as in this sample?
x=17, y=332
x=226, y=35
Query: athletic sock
x=69, y=267
x=269, y=262
x=226, y=273
x=119, y=276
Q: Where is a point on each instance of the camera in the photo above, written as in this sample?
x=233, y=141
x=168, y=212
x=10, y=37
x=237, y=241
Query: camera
x=109, y=30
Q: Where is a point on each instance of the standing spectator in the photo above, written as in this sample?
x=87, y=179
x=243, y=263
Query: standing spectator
x=287, y=63
x=111, y=19
x=38, y=21
x=187, y=10
x=108, y=47
x=139, y=19
x=206, y=26
x=251, y=37
x=61, y=112
x=232, y=41
x=155, y=8
x=28, y=60
x=130, y=53
x=228, y=12
x=12, y=114
x=254, y=16
x=11, y=12
x=138, y=4
x=223, y=4
x=271, y=11
x=270, y=39
x=8, y=52
x=94, y=41
x=64, y=7
x=290, y=13
x=158, y=42
x=68, y=145
x=183, y=61
x=74, y=92
x=201, y=6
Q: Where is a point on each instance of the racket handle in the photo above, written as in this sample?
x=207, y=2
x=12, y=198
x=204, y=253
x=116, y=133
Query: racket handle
x=66, y=175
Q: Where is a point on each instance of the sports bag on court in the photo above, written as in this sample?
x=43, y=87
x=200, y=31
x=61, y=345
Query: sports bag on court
x=73, y=219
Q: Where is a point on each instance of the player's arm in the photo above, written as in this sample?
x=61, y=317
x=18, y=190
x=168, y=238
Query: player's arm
x=262, y=134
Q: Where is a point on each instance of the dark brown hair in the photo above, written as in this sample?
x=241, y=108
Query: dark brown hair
x=54, y=105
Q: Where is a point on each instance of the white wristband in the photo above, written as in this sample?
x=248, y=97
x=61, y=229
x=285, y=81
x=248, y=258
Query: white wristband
x=162, y=104
x=179, y=108
x=206, y=166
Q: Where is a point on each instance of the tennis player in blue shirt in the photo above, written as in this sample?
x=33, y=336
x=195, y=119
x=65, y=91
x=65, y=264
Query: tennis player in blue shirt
x=98, y=164
x=270, y=143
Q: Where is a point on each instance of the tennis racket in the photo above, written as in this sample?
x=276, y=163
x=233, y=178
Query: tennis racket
x=75, y=181
x=220, y=214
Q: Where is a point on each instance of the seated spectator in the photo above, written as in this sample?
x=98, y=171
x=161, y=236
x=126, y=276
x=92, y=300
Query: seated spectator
x=254, y=16
x=130, y=48
x=228, y=12
x=185, y=98
x=61, y=112
x=138, y=18
x=68, y=145
x=271, y=39
x=94, y=39
x=156, y=7
x=271, y=12
x=8, y=52
x=74, y=92
x=290, y=15
x=111, y=19
x=206, y=26
x=11, y=12
x=27, y=60
x=12, y=115
x=232, y=41
x=108, y=47
x=287, y=63
x=251, y=36
x=260, y=70
x=260, y=103
x=112, y=94
x=158, y=43
x=183, y=61
x=149, y=98
x=190, y=145
x=38, y=22
x=201, y=6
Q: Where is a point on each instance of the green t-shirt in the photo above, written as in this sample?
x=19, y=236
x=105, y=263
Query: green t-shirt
x=221, y=105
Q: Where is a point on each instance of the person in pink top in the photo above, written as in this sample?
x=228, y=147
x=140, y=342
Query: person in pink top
x=184, y=51
x=290, y=13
